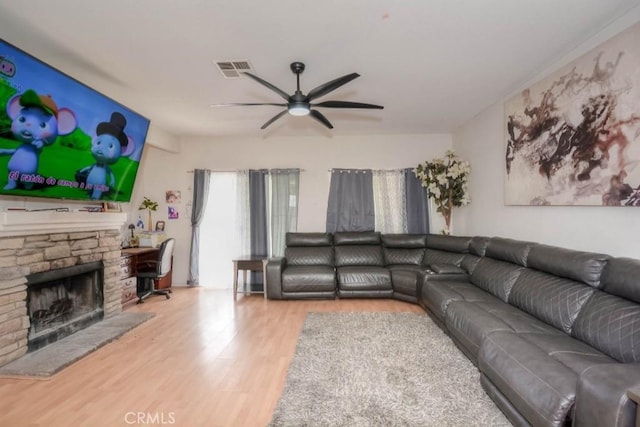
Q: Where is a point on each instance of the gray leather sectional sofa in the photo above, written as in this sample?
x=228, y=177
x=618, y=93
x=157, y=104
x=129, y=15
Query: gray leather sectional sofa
x=555, y=333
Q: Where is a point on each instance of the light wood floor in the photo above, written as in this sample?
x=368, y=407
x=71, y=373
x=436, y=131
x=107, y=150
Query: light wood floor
x=201, y=361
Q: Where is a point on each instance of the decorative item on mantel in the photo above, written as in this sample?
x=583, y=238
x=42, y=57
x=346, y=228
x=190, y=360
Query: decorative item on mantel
x=149, y=205
x=446, y=181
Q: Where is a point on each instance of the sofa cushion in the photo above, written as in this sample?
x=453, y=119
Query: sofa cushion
x=307, y=255
x=446, y=269
x=308, y=239
x=471, y=322
x=572, y=353
x=514, y=251
x=406, y=241
x=469, y=262
x=436, y=295
x=621, y=276
x=538, y=386
x=359, y=255
x=308, y=279
x=363, y=278
x=584, y=267
x=405, y=281
x=341, y=238
x=552, y=299
x=612, y=325
x=496, y=277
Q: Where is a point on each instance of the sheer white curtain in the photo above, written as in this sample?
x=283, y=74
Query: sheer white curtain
x=242, y=211
x=389, y=201
x=284, y=206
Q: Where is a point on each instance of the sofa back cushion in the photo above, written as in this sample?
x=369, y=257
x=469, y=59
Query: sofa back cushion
x=448, y=243
x=612, y=325
x=585, y=267
x=621, y=277
x=552, y=299
x=403, y=249
x=469, y=263
x=514, y=251
x=495, y=276
x=610, y=320
x=303, y=255
x=341, y=238
x=309, y=249
x=358, y=248
x=308, y=239
x=478, y=245
x=435, y=256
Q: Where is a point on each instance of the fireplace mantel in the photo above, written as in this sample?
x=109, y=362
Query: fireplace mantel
x=21, y=223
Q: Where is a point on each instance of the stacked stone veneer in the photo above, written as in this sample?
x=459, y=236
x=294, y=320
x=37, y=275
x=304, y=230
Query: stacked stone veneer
x=21, y=256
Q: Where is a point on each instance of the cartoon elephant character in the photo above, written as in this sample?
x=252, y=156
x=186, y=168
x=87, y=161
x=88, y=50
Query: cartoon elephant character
x=36, y=123
x=110, y=144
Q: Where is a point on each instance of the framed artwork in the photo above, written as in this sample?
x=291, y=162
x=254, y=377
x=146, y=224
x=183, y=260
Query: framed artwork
x=173, y=196
x=172, y=213
x=574, y=137
x=160, y=225
x=111, y=207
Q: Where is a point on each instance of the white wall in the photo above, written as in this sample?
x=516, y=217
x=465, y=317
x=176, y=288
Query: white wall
x=163, y=170
x=612, y=230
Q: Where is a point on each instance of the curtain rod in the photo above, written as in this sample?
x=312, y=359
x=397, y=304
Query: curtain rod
x=239, y=170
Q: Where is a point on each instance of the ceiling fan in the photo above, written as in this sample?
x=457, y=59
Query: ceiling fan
x=300, y=104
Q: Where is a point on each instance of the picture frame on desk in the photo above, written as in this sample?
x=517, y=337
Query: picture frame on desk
x=160, y=225
x=111, y=207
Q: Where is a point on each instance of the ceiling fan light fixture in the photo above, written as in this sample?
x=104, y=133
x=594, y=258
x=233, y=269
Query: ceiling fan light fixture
x=299, y=108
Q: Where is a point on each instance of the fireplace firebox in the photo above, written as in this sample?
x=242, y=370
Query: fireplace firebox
x=63, y=301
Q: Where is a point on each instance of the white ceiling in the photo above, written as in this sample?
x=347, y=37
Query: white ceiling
x=433, y=64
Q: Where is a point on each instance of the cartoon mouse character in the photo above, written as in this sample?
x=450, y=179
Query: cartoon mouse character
x=36, y=122
x=110, y=144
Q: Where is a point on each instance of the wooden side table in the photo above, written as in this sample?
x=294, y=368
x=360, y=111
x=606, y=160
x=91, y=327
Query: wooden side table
x=634, y=394
x=248, y=263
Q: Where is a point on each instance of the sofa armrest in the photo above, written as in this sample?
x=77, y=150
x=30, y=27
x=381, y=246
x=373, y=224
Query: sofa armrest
x=601, y=395
x=273, y=271
x=441, y=268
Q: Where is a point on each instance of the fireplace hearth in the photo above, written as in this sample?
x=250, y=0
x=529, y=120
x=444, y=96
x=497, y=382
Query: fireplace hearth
x=61, y=302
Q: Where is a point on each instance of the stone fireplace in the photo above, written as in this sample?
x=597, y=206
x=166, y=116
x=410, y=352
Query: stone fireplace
x=61, y=302
x=50, y=245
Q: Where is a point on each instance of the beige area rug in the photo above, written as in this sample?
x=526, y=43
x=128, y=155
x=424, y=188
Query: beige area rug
x=381, y=369
x=53, y=358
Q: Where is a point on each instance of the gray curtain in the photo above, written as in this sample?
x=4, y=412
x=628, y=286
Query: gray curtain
x=258, y=221
x=417, y=204
x=201, y=179
x=284, y=206
x=350, y=206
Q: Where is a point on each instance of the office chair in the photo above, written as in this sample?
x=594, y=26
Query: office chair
x=148, y=271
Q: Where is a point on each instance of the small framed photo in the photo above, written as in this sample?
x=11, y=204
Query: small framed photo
x=111, y=207
x=159, y=225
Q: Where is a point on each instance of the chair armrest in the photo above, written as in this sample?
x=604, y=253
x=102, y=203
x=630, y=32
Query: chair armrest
x=602, y=395
x=148, y=265
x=273, y=271
x=440, y=268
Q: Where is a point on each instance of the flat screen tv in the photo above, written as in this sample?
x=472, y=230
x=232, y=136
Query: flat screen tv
x=61, y=139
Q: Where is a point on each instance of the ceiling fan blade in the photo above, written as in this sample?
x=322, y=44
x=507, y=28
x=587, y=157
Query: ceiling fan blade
x=269, y=85
x=347, y=104
x=274, y=118
x=321, y=118
x=247, y=104
x=330, y=86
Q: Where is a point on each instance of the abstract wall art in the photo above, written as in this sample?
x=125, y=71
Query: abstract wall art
x=574, y=137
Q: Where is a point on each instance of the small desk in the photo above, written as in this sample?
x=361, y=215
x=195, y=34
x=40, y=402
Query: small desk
x=248, y=263
x=634, y=394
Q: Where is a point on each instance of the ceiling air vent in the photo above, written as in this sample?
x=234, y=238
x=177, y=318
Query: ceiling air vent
x=232, y=69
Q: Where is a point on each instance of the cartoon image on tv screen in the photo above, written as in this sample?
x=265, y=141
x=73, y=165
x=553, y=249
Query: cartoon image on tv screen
x=60, y=138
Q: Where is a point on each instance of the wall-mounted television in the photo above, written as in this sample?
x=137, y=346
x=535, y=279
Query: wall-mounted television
x=61, y=139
